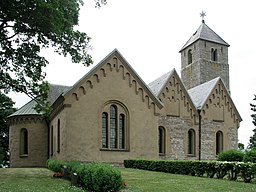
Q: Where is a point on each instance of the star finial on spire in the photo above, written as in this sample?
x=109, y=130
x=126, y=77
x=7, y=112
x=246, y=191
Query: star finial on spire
x=203, y=14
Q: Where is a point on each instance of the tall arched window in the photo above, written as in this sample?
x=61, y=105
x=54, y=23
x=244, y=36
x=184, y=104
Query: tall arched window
x=214, y=54
x=51, y=133
x=114, y=126
x=121, y=131
x=104, y=130
x=161, y=140
x=191, y=142
x=58, y=136
x=189, y=56
x=23, y=141
x=219, y=142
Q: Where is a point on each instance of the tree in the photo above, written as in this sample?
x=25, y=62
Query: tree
x=252, y=141
x=6, y=109
x=26, y=27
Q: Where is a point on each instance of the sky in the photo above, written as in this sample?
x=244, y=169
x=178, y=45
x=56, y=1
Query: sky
x=150, y=33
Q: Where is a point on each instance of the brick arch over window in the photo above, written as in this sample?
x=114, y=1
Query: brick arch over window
x=23, y=141
x=191, y=142
x=219, y=142
x=161, y=140
x=115, y=126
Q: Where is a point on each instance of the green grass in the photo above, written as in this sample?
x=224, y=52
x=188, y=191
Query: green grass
x=32, y=179
x=140, y=180
x=41, y=180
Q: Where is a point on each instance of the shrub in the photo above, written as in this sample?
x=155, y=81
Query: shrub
x=95, y=177
x=250, y=156
x=101, y=177
x=55, y=165
x=231, y=155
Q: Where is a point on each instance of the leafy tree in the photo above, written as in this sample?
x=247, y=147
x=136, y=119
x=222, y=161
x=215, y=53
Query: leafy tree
x=26, y=27
x=6, y=108
x=240, y=146
x=252, y=141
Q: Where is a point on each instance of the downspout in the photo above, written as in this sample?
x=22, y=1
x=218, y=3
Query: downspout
x=200, y=135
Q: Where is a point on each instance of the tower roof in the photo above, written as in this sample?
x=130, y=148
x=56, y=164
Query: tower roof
x=205, y=33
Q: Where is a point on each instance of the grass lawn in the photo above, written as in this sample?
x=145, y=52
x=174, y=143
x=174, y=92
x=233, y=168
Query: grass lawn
x=140, y=180
x=32, y=179
x=41, y=180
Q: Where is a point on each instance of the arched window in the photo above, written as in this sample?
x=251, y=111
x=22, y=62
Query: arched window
x=114, y=125
x=58, y=136
x=161, y=140
x=24, y=141
x=189, y=56
x=191, y=142
x=121, y=131
x=214, y=54
x=104, y=130
x=219, y=142
x=51, y=133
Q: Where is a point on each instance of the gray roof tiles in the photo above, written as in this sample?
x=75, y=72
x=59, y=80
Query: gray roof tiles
x=157, y=85
x=205, y=33
x=200, y=93
x=54, y=92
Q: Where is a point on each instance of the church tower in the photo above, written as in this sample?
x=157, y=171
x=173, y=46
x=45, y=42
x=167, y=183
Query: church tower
x=204, y=57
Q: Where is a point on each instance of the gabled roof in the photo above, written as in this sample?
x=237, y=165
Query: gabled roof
x=159, y=84
x=201, y=93
x=28, y=109
x=205, y=33
x=116, y=53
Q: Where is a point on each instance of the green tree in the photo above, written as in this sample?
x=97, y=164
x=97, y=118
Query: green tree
x=252, y=141
x=26, y=27
x=6, y=108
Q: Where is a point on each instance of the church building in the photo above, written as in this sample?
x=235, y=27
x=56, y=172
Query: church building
x=110, y=114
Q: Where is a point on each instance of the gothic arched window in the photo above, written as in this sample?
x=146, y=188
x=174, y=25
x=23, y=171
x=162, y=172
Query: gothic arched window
x=219, y=142
x=191, y=142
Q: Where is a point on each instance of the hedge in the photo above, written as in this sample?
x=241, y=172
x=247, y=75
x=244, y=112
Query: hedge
x=211, y=169
x=93, y=176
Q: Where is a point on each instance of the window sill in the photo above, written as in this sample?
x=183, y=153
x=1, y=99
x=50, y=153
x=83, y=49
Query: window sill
x=161, y=154
x=24, y=155
x=115, y=150
x=191, y=155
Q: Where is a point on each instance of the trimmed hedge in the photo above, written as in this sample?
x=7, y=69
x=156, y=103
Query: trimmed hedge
x=92, y=176
x=231, y=155
x=247, y=171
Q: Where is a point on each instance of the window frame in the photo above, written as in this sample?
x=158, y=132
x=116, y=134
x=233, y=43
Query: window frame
x=119, y=118
x=24, y=142
x=161, y=141
x=191, y=142
x=219, y=139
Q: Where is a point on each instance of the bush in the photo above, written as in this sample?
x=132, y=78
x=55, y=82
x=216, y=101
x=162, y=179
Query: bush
x=231, y=155
x=95, y=177
x=101, y=177
x=55, y=165
x=250, y=156
x=198, y=168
